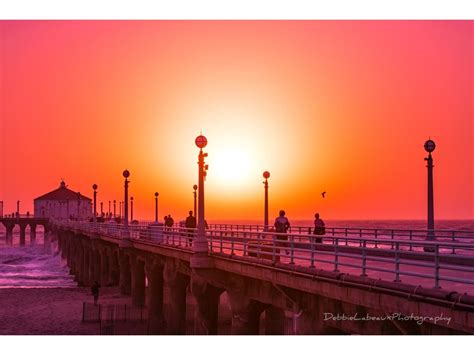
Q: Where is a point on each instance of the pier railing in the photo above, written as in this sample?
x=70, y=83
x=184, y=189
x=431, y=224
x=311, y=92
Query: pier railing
x=398, y=257
x=376, y=233
x=17, y=215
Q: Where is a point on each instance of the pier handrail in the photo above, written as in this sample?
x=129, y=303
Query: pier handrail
x=14, y=216
x=389, y=256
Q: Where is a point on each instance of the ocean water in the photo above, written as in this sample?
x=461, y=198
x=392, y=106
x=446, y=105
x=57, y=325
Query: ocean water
x=32, y=266
x=40, y=265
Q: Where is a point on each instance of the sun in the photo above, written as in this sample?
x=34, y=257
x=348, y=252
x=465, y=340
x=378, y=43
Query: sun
x=230, y=166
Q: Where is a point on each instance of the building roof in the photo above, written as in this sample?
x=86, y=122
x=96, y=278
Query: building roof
x=62, y=194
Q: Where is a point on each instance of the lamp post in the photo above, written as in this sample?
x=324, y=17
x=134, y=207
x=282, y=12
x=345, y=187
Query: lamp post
x=266, y=175
x=1, y=209
x=94, y=187
x=201, y=258
x=115, y=208
x=109, y=209
x=125, y=242
x=131, y=208
x=126, y=174
x=101, y=209
x=195, y=187
x=156, y=206
x=18, y=208
x=430, y=147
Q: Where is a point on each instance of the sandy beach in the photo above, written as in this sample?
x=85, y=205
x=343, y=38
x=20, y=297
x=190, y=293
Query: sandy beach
x=50, y=311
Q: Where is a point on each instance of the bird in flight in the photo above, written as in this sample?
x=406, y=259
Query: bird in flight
x=323, y=194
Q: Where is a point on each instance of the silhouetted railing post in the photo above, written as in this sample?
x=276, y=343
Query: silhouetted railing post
x=411, y=239
x=364, y=259
x=437, y=267
x=292, y=250
x=453, y=240
x=397, y=262
x=336, y=255
x=232, y=243
x=258, y=245
x=274, y=249
x=245, y=244
x=221, y=247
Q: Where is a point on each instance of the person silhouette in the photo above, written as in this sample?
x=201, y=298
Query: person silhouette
x=170, y=221
x=281, y=227
x=319, y=228
x=190, y=225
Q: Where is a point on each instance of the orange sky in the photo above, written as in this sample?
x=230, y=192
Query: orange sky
x=336, y=106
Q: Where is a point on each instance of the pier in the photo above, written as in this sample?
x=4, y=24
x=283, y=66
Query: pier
x=271, y=280
x=23, y=221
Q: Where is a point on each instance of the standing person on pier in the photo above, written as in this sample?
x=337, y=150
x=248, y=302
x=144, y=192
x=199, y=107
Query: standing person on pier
x=169, y=221
x=281, y=226
x=190, y=225
x=319, y=228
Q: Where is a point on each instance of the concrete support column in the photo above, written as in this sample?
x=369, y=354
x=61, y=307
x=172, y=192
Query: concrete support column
x=79, y=259
x=138, y=280
x=60, y=240
x=125, y=274
x=92, y=264
x=207, y=299
x=245, y=313
x=47, y=241
x=309, y=322
x=70, y=255
x=67, y=249
x=274, y=321
x=64, y=246
x=96, y=266
x=86, y=278
x=104, y=267
x=33, y=233
x=176, y=284
x=22, y=233
x=154, y=274
x=9, y=234
x=114, y=268
x=310, y=319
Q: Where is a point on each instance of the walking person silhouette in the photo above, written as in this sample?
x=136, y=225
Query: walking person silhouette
x=319, y=228
x=190, y=225
x=281, y=226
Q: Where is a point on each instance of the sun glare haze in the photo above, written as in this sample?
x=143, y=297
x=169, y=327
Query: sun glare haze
x=317, y=103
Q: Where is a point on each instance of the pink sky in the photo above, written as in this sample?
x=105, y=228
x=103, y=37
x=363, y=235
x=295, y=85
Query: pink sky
x=337, y=106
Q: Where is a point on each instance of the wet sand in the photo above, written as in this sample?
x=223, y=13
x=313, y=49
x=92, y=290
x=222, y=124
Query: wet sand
x=50, y=311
